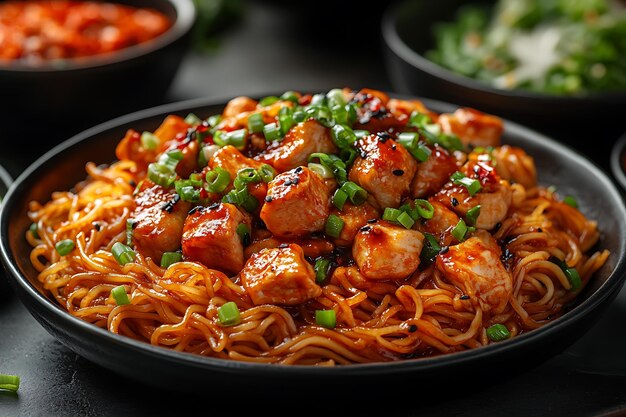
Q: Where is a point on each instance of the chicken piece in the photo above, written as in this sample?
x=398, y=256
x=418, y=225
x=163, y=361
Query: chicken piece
x=297, y=203
x=231, y=160
x=372, y=112
x=442, y=222
x=473, y=127
x=433, y=173
x=494, y=196
x=157, y=220
x=280, y=276
x=171, y=126
x=189, y=148
x=313, y=247
x=514, y=164
x=354, y=217
x=210, y=237
x=385, y=251
x=406, y=107
x=475, y=267
x=130, y=148
x=239, y=105
x=301, y=141
x=384, y=169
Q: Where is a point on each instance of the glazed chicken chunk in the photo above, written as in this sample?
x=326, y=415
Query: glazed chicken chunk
x=157, y=220
x=473, y=127
x=301, y=141
x=385, y=169
x=210, y=237
x=475, y=267
x=230, y=159
x=279, y=276
x=297, y=203
x=433, y=173
x=385, y=251
x=354, y=217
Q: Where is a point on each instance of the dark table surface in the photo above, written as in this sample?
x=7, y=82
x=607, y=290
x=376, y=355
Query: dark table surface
x=253, y=57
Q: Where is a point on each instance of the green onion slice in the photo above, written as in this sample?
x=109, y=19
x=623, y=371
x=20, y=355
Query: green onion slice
x=431, y=248
x=460, y=230
x=322, y=268
x=64, y=246
x=574, y=278
x=9, y=382
x=123, y=254
x=405, y=220
x=391, y=214
x=472, y=215
x=228, y=314
x=268, y=101
x=424, y=208
x=244, y=233
x=334, y=225
x=193, y=120
x=498, y=332
x=161, y=174
x=357, y=194
x=267, y=173
x=271, y=131
x=326, y=318
x=570, y=201
x=170, y=258
x=150, y=141
x=120, y=295
x=321, y=170
x=34, y=229
x=256, y=123
x=472, y=185
x=217, y=180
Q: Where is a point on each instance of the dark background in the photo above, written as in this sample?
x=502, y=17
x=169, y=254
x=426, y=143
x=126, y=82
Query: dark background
x=271, y=47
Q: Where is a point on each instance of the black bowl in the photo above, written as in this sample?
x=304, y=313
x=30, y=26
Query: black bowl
x=618, y=161
x=407, y=34
x=39, y=104
x=5, y=182
x=557, y=164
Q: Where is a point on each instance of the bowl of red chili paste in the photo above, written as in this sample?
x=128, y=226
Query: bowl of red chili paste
x=66, y=65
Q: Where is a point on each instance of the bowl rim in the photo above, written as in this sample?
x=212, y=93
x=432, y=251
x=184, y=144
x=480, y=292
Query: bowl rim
x=397, y=45
x=183, y=23
x=5, y=180
x=617, y=167
x=609, y=288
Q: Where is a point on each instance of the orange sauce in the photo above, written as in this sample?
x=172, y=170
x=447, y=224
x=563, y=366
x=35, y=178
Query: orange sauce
x=35, y=31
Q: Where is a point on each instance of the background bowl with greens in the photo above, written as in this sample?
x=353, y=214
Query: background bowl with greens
x=550, y=64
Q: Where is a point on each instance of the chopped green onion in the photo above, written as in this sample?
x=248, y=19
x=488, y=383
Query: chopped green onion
x=130, y=225
x=150, y=141
x=123, y=254
x=570, y=201
x=267, y=173
x=214, y=120
x=65, y=246
x=322, y=114
x=410, y=140
x=574, y=278
x=271, y=131
x=241, y=198
x=120, y=295
x=343, y=136
x=285, y=120
x=290, y=96
x=334, y=225
x=318, y=100
x=175, y=154
x=361, y=133
x=336, y=96
x=326, y=318
x=320, y=170
x=498, y=332
x=357, y=194
x=247, y=175
x=228, y=314
x=431, y=248
x=244, y=233
x=472, y=215
x=236, y=138
x=34, y=229
x=187, y=191
x=405, y=220
x=170, y=258
x=255, y=123
x=339, y=198
x=9, y=382
x=268, y=101
x=417, y=119
x=322, y=268
x=217, y=180
x=424, y=208
x=460, y=230
x=348, y=155
x=299, y=115
x=161, y=174
x=391, y=214
x=472, y=185
x=193, y=120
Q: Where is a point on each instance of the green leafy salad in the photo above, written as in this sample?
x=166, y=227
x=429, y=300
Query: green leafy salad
x=560, y=47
